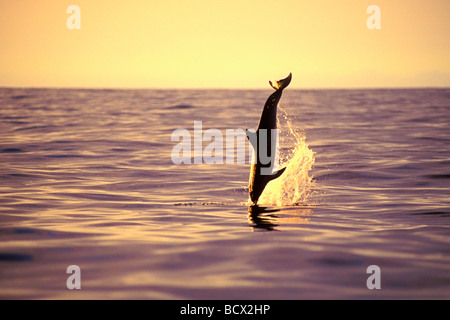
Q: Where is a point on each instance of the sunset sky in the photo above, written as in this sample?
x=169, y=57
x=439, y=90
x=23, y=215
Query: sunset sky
x=224, y=44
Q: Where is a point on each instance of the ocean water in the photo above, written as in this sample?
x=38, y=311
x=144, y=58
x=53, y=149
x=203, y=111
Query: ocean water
x=87, y=179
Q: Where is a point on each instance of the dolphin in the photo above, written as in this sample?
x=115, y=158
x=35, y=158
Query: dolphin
x=261, y=172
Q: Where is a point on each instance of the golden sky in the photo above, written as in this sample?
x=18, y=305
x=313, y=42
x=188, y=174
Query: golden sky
x=224, y=44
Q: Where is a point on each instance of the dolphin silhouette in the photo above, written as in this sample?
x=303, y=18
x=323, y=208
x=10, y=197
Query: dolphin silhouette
x=261, y=170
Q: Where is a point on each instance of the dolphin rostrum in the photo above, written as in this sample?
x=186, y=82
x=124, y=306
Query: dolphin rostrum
x=264, y=143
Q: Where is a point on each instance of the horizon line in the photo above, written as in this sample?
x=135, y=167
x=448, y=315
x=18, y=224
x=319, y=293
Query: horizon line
x=225, y=88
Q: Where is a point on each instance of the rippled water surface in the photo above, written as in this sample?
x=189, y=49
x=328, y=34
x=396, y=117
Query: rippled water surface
x=87, y=179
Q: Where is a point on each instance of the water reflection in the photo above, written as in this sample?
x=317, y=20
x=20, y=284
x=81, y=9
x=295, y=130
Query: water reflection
x=261, y=217
x=264, y=217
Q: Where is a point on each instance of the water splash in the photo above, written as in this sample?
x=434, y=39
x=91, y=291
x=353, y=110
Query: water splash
x=294, y=185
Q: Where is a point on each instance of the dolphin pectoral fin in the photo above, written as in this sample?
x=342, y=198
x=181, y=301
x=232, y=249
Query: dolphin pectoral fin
x=281, y=84
x=252, y=137
x=277, y=174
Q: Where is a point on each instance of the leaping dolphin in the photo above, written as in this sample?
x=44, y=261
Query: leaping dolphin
x=261, y=171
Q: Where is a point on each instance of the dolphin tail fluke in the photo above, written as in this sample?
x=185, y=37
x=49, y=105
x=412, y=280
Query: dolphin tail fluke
x=277, y=174
x=281, y=84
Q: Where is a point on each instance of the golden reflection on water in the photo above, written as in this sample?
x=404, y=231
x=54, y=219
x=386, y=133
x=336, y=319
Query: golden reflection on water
x=270, y=218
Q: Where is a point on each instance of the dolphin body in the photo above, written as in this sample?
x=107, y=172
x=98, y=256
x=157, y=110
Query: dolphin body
x=259, y=179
